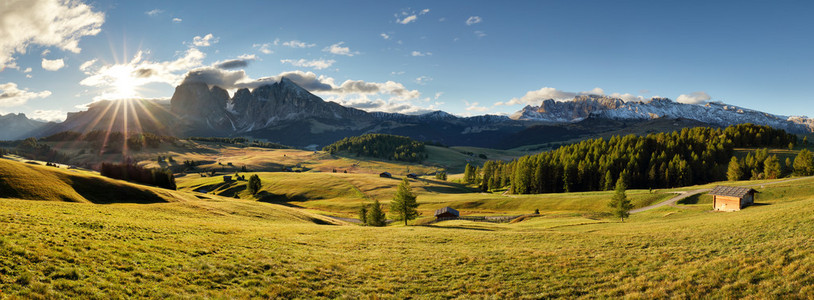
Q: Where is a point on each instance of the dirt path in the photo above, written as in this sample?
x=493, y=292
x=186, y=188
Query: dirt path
x=682, y=195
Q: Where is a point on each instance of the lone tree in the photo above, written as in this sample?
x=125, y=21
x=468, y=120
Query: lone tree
x=254, y=184
x=804, y=163
x=620, y=203
x=404, y=204
x=375, y=215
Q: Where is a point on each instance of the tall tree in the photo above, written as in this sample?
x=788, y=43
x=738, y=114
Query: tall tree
x=771, y=167
x=375, y=215
x=620, y=204
x=608, y=181
x=468, y=170
x=404, y=203
x=363, y=214
x=804, y=163
x=254, y=184
x=734, y=172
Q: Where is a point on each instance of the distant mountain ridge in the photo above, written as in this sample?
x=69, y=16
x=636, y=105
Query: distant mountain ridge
x=583, y=106
x=18, y=126
x=285, y=113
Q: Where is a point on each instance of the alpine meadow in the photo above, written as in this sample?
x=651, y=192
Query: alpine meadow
x=406, y=150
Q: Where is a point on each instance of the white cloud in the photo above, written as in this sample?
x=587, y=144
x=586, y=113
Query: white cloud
x=438, y=95
x=49, y=115
x=693, y=98
x=442, y=19
x=419, y=53
x=422, y=80
x=479, y=33
x=317, y=64
x=627, y=97
x=595, y=91
x=535, y=97
x=86, y=65
x=52, y=65
x=474, y=106
x=298, y=44
x=264, y=48
x=119, y=81
x=27, y=70
x=10, y=95
x=406, y=17
x=154, y=12
x=46, y=23
x=177, y=20
x=397, y=73
x=338, y=49
x=45, y=52
x=241, y=62
x=385, y=36
x=204, y=41
x=473, y=20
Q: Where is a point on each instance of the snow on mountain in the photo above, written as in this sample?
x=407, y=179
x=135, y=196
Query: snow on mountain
x=606, y=107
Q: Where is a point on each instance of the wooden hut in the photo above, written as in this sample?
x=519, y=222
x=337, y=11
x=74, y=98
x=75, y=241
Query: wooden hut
x=446, y=213
x=412, y=175
x=730, y=198
x=385, y=175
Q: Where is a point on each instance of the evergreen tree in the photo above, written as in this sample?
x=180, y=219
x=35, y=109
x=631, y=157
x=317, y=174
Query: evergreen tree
x=734, y=173
x=620, y=204
x=404, y=203
x=804, y=163
x=254, y=184
x=771, y=167
x=375, y=215
x=608, y=181
x=363, y=214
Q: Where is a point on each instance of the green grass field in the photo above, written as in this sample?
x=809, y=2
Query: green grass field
x=208, y=246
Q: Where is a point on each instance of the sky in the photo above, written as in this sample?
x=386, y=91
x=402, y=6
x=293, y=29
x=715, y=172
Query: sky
x=463, y=57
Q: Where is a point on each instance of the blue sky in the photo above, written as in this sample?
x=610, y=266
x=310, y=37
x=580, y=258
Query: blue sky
x=464, y=57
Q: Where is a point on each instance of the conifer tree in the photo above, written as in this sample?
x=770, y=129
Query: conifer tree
x=608, y=181
x=404, y=203
x=375, y=215
x=254, y=184
x=804, y=163
x=363, y=214
x=734, y=172
x=620, y=204
x=468, y=173
x=771, y=167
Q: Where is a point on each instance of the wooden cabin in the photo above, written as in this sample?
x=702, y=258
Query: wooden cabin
x=412, y=175
x=446, y=213
x=385, y=175
x=730, y=198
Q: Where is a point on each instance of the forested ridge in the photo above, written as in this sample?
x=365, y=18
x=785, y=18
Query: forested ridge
x=386, y=146
x=690, y=156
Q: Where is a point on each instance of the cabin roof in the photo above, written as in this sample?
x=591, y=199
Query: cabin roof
x=731, y=191
x=447, y=210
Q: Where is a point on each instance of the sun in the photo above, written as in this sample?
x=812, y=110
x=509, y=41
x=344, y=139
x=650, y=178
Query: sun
x=123, y=83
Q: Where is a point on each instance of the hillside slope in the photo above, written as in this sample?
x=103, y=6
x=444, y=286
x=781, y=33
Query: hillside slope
x=35, y=182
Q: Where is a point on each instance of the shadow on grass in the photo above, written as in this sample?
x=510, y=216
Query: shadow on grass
x=99, y=191
x=456, y=227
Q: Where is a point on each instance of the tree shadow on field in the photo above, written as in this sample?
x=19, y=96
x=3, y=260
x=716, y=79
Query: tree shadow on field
x=457, y=227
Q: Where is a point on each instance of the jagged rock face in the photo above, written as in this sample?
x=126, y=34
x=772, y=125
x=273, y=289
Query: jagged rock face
x=568, y=111
x=198, y=103
x=605, y=107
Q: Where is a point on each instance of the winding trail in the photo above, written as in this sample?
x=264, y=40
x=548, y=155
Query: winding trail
x=682, y=195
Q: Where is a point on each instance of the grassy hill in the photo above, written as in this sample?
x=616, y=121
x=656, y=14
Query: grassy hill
x=35, y=182
x=230, y=248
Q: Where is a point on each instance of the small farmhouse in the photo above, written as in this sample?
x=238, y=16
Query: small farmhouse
x=729, y=198
x=412, y=175
x=385, y=175
x=446, y=212
x=227, y=178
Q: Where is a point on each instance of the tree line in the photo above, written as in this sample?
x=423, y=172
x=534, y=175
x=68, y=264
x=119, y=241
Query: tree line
x=663, y=160
x=113, y=141
x=385, y=146
x=239, y=141
x=127, y=171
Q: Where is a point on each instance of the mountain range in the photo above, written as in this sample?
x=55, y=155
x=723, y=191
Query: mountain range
x=284, y=112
